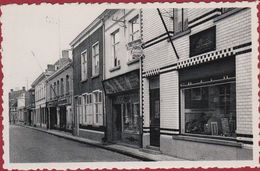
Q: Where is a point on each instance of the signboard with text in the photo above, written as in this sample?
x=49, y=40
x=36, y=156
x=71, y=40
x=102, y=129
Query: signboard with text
x=202, y=42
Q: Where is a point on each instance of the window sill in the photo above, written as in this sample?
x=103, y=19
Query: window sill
x=227, y=14
x=115, y=68
x=132, y=61
x=209, y=140
x=178, y=35
x=82, y=81
x=94, y=76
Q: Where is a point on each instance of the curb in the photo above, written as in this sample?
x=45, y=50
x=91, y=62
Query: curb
x=140, y=157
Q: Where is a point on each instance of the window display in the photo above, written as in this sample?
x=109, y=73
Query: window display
x=211, y=110
x=131, y=117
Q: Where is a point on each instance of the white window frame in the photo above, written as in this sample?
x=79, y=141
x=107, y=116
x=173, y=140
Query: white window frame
x=89, y=108
x=133, y=33
x=116, y=61
x=179, y=21
x=84, y=65
x=95, y=58
x=79, y=109
x=98, y=116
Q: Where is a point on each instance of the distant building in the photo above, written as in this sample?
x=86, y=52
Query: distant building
x=30, y=106
x=13, y=111
x=40, y=116
x=22, y=102
x=59, y=94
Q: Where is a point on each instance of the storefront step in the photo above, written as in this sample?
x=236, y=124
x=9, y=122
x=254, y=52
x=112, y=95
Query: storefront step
x=152, y=150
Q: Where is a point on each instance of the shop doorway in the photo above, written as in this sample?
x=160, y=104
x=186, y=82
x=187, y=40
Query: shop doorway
x=154, y=112
x=53, y=117
x=63, y=118
x=117, y=122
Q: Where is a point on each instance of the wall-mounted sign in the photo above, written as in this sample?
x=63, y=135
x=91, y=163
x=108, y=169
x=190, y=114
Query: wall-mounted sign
x=135, y=48
x=202, y=42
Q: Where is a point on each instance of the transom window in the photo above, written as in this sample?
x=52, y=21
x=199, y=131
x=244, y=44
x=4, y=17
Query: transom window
x=84, y=65
x=115, y=48
x=95, y=59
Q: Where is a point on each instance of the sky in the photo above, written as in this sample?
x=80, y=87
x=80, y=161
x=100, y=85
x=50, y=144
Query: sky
x=35, y=28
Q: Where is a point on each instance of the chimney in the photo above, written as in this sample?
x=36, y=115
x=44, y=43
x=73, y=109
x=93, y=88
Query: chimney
x=65, y=54
x=23, y=88
x=50, y=67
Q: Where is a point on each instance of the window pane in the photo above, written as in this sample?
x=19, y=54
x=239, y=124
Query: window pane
x=116, y=37
x=211, y=110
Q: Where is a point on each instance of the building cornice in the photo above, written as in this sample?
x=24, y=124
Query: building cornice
x=82, y=35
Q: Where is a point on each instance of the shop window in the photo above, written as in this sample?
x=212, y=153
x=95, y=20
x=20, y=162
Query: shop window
x=115, y=48
x=84, y=66
x=210, y=110
x=97, y=107
x=95, y=59
x=134, y=26
x=131, y=117
x=180, y=20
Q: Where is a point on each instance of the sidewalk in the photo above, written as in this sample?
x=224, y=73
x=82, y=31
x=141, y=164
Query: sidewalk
x=133, y=152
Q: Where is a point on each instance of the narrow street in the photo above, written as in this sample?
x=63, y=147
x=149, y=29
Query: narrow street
x=29, y=146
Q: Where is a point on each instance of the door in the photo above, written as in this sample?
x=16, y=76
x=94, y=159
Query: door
x=117, y=122
x=63, y=119
x=53, y=117
x=155, y=117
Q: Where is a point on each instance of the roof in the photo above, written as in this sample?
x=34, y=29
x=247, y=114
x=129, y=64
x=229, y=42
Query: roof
x=60, y=70
x=91, y=26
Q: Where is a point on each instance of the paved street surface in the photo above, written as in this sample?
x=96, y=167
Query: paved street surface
x=28, y=146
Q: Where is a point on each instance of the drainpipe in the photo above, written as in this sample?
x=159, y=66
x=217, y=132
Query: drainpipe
x=74, y=114
x=104, y=76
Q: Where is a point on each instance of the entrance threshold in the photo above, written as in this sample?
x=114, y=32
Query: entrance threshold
x=152, y=150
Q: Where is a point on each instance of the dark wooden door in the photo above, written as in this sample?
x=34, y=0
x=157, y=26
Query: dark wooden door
x=53, y=117
x=155, y=117
x=117, y=122
x=63, y=119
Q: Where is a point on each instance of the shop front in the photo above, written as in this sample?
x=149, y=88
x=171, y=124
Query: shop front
x=123, y=109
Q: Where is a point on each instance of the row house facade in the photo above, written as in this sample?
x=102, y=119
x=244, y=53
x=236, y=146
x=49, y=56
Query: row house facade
x=87, y=50
x=199, y=93
x=22, y=102
x=121, y=77
x=39, y=119
x=59, y=93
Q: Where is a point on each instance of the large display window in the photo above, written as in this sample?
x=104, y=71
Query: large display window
x=131, y=117
x=210, y=109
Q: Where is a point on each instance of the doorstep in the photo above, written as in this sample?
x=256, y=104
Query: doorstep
x=122, y=149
